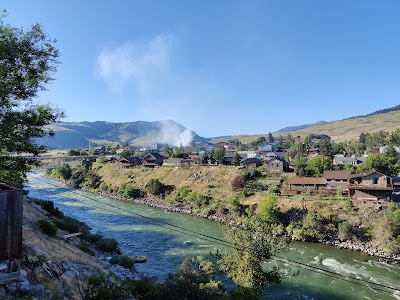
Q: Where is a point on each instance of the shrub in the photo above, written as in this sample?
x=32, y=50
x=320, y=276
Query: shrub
x=64, y=172
x=345, y=231
x=127, y=191
x=251, y=174
x=183, y=193
x=102, y=287
x=49, y=207
x=156, y=187
x=238, y=182
x=47, y=227
x=103, y=186
x=93, y=238
x=234, y=204
x=71, y=225
x=107, y=244
x=123, y=260
x=198, y=199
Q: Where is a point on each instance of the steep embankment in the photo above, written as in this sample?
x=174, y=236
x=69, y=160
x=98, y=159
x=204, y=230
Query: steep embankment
x=361, y=227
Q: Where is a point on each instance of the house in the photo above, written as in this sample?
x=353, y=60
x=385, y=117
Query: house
x=277, y=165
x=128, y=162
x=230, y=147
x=230, y=157
x=384, y=149
x=301, y=183
x=247, y=154
x=313, y=151
x=191, y=149
x=269, y=147
x=152, y=159
x=337, y=180
x=252, y=162
x=340, y=160
x=194, y=158
x=370, y=185
x=177, y=162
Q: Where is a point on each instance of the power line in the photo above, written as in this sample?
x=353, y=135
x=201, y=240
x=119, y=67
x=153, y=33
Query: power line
x=226, y=243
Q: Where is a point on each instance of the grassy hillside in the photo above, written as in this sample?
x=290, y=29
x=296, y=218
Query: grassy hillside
x=338, y=130
x=352, y=128
x=208, y=181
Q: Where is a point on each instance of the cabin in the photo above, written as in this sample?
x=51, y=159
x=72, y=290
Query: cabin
x=339, y=161
x=370, y=185
x=177, y=162
x=302, y=183
x=129, y=162
x=277, y=165
x=251, y=162
x=267, y=147
x=152, y=159
x=337, y=180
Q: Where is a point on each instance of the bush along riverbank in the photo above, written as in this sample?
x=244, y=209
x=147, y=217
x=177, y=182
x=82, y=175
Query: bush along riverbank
x=220, y=194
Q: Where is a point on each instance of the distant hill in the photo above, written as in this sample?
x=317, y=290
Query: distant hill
x=386, y=119
x=70, y=135
x=294, y=128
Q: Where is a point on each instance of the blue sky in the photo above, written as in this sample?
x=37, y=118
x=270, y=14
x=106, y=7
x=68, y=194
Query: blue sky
x=220, y=67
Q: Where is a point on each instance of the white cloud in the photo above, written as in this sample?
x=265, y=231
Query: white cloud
x=135, y=62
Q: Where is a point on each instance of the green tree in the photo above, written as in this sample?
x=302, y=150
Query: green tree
x=218, y=154
x=236, y=159
x=395, y=137
x=253, y=247
x=195, y=279
x=362, y=140
x=325, y=148
x=270, y=137
x=258, y=142
x=28, y=60
x=300, y=164
x=266, y=209
x=380, y=162
x=318, y=164
x=204, y=159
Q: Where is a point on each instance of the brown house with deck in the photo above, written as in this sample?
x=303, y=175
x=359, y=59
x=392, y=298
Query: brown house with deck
x=152, y=159
x=337, y=180
x=370, y=185
x=302, y=183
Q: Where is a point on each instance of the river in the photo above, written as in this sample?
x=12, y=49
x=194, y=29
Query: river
x=166, y=246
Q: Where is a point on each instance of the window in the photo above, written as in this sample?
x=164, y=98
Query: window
x=374, y=180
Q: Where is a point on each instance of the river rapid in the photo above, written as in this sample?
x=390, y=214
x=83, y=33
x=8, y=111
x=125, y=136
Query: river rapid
x=166, y=246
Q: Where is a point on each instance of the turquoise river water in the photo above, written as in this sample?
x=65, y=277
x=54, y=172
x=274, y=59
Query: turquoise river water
x=165, y=249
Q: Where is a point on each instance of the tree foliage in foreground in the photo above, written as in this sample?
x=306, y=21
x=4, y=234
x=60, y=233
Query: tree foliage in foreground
x=27, y=61
x=251, y=248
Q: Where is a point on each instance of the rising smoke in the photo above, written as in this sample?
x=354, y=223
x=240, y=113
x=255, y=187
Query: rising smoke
x=175, y=135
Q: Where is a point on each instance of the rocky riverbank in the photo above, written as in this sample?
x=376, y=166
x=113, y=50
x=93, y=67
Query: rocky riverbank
x=358, y=246
x=157, y=202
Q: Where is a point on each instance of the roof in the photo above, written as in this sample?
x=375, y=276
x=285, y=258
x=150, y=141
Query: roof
x=154, y=154
x=278, y=158
x=307, y=180
x=254, y=159
x=367, y=173
x=339, y=175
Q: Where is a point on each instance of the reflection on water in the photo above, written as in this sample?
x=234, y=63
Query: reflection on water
x=166, y=248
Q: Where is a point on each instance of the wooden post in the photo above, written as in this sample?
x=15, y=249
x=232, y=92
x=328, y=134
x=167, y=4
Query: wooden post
x=10, y=222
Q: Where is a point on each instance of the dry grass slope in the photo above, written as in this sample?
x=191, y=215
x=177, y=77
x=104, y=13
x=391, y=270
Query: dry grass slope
x=338, y=130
